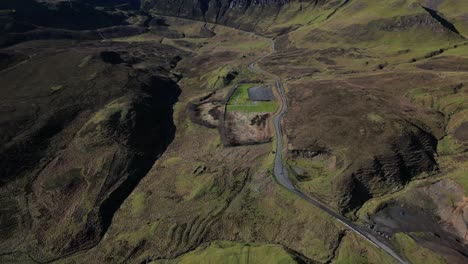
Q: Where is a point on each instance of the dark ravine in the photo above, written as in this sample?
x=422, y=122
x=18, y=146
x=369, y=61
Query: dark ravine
x=160, y=104
x=122, y=117
x=337, y=8
x=335, y=250
x=444, y=22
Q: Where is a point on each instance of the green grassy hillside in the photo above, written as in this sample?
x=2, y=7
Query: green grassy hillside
x=234, y=253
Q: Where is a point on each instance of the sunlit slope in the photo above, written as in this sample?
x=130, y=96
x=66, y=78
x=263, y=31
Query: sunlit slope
x=402, y=30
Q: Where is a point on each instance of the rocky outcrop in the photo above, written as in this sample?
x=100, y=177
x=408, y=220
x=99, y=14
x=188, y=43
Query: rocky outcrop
x=437, y=213
x=410, y=156
x=452, y=206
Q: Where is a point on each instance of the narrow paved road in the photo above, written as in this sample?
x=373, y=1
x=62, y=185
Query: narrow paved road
x=281, y=175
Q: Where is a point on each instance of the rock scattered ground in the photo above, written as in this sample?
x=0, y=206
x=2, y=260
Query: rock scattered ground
x=247, y=128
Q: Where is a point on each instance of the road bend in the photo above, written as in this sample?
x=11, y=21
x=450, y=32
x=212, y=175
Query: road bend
x=282, y=176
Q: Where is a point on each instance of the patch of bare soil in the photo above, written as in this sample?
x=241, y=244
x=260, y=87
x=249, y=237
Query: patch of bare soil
x=452, y=206
x=246, y=128
x=207, y=114
x=445, y=63
x=437, y=212
x=235, y=127
x=461, y=133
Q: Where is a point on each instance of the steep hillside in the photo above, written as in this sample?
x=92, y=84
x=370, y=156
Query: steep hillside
x=275, y=17
x=73, y=122
x=266, y=17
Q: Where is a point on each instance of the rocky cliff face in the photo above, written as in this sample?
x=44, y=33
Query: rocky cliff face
x=243, y=14
x=409, y=156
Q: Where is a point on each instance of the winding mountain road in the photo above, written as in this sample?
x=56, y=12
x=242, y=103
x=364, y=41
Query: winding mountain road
x=282, y=176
